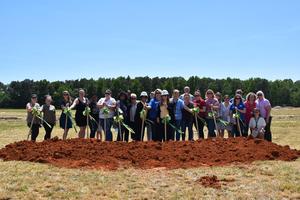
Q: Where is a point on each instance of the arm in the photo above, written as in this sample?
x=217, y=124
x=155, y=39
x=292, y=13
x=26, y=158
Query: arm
x=74, y=104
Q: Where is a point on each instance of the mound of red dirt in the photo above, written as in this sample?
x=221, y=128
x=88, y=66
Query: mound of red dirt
x=90, y=153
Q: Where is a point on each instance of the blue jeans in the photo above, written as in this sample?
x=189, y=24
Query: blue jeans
x=211, y=127
x=188, y=124
x=108, y=133
x=179, y=125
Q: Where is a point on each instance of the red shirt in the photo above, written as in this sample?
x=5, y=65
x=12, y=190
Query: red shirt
x=249, y=111
x=200, y=104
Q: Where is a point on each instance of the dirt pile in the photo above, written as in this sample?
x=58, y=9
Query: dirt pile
x=90, y=153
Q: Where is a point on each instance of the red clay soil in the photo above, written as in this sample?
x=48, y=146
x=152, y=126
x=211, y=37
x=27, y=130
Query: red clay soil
x=90, y=153
x=210, y=181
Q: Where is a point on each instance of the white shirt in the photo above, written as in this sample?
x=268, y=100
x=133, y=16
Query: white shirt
x=110, y=102
x=132, y=112
x=260, y=124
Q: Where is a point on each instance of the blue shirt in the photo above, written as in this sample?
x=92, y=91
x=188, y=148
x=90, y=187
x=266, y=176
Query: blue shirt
x=241, y=106
x=179, y=104
x=154, y=108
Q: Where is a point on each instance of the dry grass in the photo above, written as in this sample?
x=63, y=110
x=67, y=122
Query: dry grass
x=261, y=180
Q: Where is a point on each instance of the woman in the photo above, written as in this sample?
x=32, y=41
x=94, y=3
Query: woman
x=164, y=110
x=264, y=107
x=80, y=104
x=93, y=124
x=33, y=123
x=142, y=105
x=154, y=103
x=65, y=122
x=122, y=105
x=237, y=112
x=257, y=125
x=48, y=116
x=220, y=125
x=250, y=104
x=187, y=117
x=200, y=103
x=212, y=107
x=107, y=106
x=226, y=116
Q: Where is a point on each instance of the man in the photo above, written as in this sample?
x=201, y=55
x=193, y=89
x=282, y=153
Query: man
x=107, y=107
x=132, y=116
x=153, y=114
x=178, y=106
x=264, y=107
x=187, y=90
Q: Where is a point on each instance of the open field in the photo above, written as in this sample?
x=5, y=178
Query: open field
x=260, y=180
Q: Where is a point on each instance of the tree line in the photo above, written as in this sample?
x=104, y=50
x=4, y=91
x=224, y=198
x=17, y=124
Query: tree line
x=17, y=93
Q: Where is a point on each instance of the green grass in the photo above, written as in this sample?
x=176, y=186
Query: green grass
x=260, y=180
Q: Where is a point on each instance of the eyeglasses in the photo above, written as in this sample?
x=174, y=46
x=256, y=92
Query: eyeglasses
x=237, y=98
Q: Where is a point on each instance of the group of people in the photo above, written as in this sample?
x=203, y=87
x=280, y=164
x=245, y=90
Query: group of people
x=165, y=116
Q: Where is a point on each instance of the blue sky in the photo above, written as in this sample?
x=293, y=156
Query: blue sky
x=69, y=39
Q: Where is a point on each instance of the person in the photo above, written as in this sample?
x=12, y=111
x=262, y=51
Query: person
x=122, y=105
x=107, y=107
x=187, y=118
x=154, y=103
x=65, y=122
x=80, y=103
x=186, y=90
x=200, y=103
x=152, y=95
x=33, y=122
x=165, y=110
x=257, y=125
x=240, y=92
x=93, y=124
x=177, y=105
x=238, y=109
x=220, y=125
x=49, y=116
x=212, y=106
x=264, y=107
x=226, y=116
x=132, y=117
x=250, y=104
x=141, y=105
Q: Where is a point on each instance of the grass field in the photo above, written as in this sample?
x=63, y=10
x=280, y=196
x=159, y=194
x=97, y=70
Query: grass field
x=260, y=180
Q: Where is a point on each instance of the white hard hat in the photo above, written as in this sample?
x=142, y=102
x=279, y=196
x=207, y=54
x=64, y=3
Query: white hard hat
x=144, y=94
x=165, y=93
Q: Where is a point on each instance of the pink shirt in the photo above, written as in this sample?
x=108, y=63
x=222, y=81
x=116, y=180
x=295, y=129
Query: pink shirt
x=263, y=105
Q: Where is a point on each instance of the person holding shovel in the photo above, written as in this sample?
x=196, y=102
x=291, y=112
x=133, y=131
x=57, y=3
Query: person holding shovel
x=165, y=114
x=212, y=107
x=200, y=104
x=132, y=118
x=93, y=124
x=141, y=116
x=177, y=108
x=49, y=116
x=33, y=122
x=65, y=121
x=188, y=117
x=237, y=112
x=122, y=105
x=153, y=113
x=80, y=105
x=107, y=106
